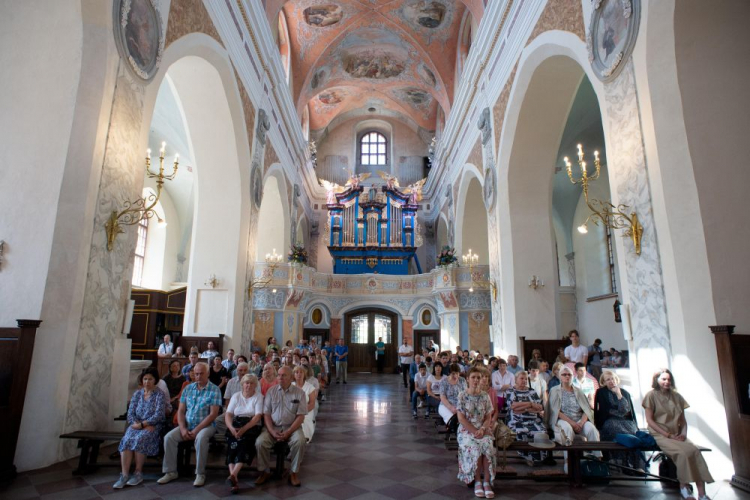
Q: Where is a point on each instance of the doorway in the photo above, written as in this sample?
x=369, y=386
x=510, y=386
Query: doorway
x=423, y=339
x=320, y=336
x=362, y=329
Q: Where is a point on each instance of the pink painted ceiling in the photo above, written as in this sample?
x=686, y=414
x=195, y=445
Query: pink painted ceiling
x=397, y=57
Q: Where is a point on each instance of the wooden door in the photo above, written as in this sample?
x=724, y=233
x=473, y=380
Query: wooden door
x=362, y=330
x=422, y=339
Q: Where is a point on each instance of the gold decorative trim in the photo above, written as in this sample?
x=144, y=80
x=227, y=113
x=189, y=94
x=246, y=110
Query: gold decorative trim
x=148, y=296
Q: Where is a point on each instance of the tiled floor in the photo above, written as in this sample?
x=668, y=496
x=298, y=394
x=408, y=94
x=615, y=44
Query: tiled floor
x=367, y=446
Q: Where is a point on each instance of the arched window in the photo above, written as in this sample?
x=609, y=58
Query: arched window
x=140, y=252
x=373, y=149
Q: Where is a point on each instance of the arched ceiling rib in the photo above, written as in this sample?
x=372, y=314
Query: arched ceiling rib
x=394, y=57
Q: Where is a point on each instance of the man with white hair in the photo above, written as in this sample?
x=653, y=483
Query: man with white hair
x=284, y=411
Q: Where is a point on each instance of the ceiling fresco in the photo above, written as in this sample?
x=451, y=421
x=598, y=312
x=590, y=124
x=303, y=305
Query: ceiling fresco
x=376, y=57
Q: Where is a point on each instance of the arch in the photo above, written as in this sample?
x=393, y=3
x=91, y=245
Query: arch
x=471, y=215
x=549, y=73
x=203, y=78
x=326, y=320
x=274, y=216
x=303, y=233
x=442, y=232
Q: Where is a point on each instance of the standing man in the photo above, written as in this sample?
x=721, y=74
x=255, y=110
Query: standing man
x=342, y=357
x=284, y=410
x=199, y=406
x=229, y=362
x=575, y=352
x=405, y=352
x=380, y=354
x=166, y=348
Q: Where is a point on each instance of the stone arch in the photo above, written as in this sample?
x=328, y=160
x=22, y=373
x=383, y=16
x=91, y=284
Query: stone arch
x=471, y=216
x=274, y=216
x=442, y=232
x=527, y=155
x=203, y=78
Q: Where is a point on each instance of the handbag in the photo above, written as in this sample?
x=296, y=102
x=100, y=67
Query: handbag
x=594, y=469
x=453, y=424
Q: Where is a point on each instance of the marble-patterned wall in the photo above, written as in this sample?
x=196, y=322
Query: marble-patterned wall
x=644, y=290
x=479, y=331
x=335, y=329
x=407, y=331
x=262, y=326
x=189, y=16
x=108, y=278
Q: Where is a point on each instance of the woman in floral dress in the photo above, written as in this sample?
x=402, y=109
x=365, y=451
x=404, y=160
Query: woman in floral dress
x=476, y=450
x=525, y=416
x=145, y=419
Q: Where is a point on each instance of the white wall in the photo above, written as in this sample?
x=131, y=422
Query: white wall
x=473, y=226
x=35, y=127
x=272, y=226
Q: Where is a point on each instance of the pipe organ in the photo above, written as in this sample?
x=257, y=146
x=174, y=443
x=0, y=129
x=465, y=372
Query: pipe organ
x=372, y=232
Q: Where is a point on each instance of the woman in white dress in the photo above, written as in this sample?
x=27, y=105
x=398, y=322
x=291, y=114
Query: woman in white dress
x=300, y=380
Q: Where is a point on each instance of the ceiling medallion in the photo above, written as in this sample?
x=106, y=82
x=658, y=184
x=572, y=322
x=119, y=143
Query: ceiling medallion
x=138, y=36
x=612, y=35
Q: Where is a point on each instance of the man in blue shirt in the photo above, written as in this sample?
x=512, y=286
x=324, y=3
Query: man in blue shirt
x=199, y=406
x=341, y=352
x=186, y=369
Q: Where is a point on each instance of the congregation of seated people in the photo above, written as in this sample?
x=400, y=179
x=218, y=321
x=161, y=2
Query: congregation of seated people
x=574, y=400
x=255, y=403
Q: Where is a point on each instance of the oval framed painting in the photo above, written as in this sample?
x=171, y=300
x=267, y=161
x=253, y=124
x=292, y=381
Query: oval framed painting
x=317, y=316
x=138, y=36
x=612, y=35
x=426, y=317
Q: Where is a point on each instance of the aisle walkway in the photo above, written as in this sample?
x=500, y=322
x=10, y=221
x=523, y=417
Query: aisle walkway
x=367, y=446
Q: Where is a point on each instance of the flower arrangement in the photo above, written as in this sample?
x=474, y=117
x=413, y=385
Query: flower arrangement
x=297, y=255
x=447, y=256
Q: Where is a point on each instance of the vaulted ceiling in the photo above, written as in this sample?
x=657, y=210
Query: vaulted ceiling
x=392, y=58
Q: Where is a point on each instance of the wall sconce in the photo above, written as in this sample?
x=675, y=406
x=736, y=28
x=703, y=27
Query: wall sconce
x=136, y=211
x=604, y=211
x=272, y=261
x=2, y=250
x=471, y=259
x=212, y=281
x=536, y=282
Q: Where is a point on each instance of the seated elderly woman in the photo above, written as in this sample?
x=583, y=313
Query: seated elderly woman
x=613, y=415
x=525, y=418
x=269, y=378
x=244, y=419
x=476, y=451
x=450, y=388
x=665, y=414
x=301, y=380
x=569, y=411
x=145, y=419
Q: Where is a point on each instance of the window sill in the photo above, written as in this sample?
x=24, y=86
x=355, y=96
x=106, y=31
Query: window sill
x=603, y=297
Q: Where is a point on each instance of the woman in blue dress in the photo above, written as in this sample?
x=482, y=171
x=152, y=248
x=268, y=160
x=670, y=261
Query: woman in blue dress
x=145, y=420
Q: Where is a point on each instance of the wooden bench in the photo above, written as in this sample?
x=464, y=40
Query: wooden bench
x=576, y=452
x=89, y=443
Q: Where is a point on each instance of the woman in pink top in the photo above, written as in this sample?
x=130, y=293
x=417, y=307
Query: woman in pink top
x=269, y=378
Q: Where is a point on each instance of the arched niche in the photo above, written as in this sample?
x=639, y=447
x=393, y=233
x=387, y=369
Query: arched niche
x=471, y=216
x=303, y=233
x=442, y=232
x=204, y=83
x=273, y=217
x=537, y=113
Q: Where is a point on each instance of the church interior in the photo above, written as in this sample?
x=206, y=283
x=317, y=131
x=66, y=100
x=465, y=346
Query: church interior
x=481, y=175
